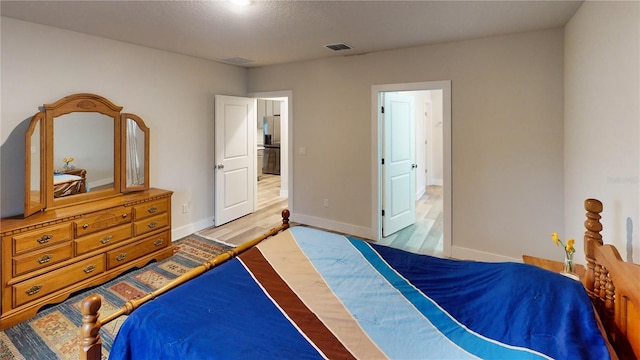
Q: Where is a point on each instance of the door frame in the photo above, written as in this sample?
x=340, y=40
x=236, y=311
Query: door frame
x=376, y=151
x=286, y=141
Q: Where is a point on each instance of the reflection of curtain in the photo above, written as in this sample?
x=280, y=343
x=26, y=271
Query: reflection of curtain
x=134, y=175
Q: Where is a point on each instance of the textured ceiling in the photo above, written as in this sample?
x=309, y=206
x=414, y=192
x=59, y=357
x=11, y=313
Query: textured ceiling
x=273, y=32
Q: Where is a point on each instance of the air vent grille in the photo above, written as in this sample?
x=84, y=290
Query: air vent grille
x=237, y=60
x=338, y=47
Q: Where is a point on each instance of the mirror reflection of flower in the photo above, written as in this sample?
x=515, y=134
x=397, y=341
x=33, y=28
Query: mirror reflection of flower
x=66, y=162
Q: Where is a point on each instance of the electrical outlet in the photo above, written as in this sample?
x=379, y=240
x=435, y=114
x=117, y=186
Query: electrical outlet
x=325, y=202
x=185, y=208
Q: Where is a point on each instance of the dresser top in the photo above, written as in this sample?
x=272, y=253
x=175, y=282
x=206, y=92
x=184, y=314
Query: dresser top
x=49, y=217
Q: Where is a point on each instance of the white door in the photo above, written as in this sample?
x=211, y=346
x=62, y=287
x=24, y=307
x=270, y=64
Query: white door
x=235, y=157
x=398, y=170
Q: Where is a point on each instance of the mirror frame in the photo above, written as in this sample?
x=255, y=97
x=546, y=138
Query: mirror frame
x=83, y=102
x=31, y=205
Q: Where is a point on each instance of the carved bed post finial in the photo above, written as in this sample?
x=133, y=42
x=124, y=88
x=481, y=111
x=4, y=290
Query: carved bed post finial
x=90, y=342
x=285, y=218
x=592, y=237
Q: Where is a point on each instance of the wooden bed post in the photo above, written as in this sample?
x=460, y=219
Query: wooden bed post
x=591, y=237
x=91, y=344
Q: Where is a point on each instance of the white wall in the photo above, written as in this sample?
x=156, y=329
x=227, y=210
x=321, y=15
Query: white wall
x=507, y=136
x=602, y=116
x=436, y=168
x=174, y=94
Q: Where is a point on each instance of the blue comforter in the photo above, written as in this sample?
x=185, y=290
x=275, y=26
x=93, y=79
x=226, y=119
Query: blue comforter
x=308, y=294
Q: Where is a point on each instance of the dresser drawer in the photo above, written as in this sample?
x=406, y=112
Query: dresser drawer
x=97, y=240
x=102, y=220
x=46, y=284
x=138, y=249
x=42, y=258
x=151, y=208
x=42, y=237
x=150, y=224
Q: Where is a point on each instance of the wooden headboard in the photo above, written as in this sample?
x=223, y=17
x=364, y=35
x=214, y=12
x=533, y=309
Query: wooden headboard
x=613, y=285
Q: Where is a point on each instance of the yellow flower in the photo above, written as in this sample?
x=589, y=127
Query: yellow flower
x=70, y=159
x=569, y=248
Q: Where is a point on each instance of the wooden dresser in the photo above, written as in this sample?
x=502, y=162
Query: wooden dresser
x=52, y=254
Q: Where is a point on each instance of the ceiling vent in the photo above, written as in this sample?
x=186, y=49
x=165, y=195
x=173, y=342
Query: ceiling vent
x=237, y=60
x=338, y=47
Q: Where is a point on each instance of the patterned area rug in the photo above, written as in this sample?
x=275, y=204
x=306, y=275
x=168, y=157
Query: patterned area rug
x=53, y=333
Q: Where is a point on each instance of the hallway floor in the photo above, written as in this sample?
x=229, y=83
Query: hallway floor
x=425, y=236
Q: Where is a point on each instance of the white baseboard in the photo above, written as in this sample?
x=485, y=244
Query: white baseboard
x=284, y=193
x=457, y=252
x=462, y=253
x=420, y=192
x=331, y=225
x=179, y=233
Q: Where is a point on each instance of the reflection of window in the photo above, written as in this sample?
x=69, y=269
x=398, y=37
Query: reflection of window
x=135, y=175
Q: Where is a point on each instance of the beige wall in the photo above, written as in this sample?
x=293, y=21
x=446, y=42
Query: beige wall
x=172, y=93
x=507, y=131
x=602, y=116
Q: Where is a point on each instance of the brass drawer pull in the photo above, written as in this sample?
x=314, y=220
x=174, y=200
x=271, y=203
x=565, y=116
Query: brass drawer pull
x=121, y=257
x=45, y=259
x=106, y=239
x=33, y=290
x=44, y=239
x=124, y=216
x=89, y=268
x=85, y=226
x=152, y=224
x=158, y=242
x=151, y=210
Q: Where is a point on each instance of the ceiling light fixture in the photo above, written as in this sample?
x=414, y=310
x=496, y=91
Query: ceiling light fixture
x=241, y=2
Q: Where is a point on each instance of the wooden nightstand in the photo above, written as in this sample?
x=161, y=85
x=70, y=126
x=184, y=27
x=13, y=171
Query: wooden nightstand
x=555, y=266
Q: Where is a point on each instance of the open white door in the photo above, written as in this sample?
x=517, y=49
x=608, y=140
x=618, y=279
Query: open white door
x=235, y=157
x=398, y=175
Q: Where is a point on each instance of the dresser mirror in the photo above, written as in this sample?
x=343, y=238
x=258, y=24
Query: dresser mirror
x=81, y=148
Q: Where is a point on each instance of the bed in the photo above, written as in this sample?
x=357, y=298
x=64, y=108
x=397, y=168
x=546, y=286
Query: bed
x=307, y=293
x=69, y=182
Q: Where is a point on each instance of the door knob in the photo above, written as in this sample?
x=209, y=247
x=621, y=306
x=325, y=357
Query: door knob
x=413, y=166
x=220, y=166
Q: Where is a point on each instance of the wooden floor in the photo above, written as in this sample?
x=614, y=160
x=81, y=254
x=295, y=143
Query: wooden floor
x=267, y=216
x=423, y=237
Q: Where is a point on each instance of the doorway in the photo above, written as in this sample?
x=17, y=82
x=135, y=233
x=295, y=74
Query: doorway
x=273, y=185
x=430, y=232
